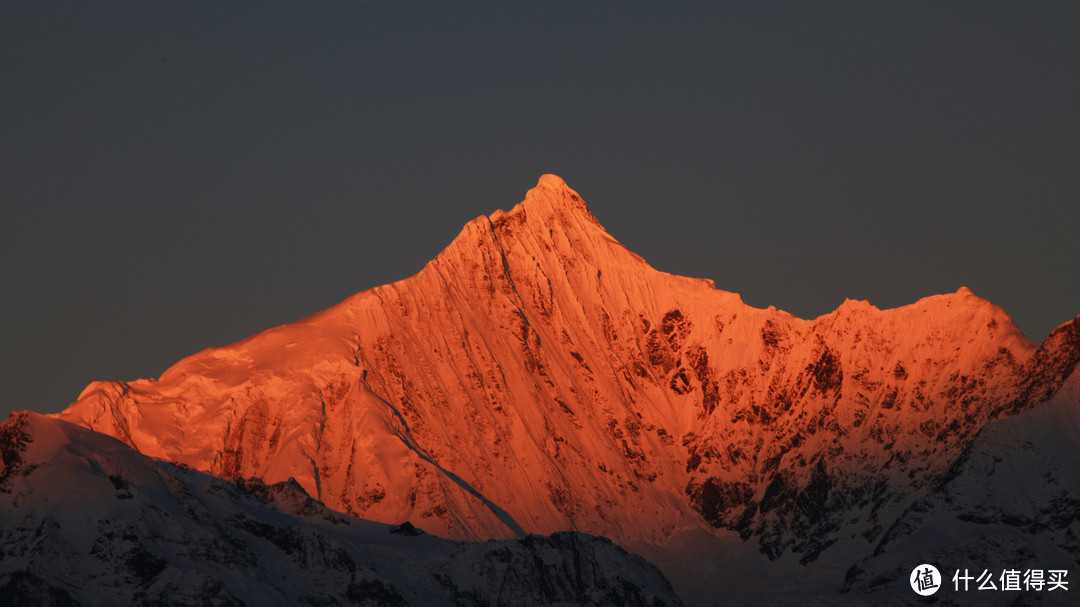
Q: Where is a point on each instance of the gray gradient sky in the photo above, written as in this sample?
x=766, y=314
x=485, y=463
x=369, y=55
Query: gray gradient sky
x=178, y=176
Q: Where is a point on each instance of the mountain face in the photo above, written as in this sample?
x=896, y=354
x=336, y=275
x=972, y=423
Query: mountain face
x=1011, y=501
x=537, y=376
x=85, y=520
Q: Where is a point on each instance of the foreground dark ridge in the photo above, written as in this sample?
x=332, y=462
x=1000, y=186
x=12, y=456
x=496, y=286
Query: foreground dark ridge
x=86, y=520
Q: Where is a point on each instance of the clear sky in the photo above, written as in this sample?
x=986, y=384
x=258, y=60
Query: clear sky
x=175, y=176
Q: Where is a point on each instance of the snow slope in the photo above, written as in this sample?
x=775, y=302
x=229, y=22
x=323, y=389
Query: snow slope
x=1012, y=501
x=86, y=520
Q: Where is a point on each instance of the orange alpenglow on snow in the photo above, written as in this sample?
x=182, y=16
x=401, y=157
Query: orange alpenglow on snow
x=537, y=376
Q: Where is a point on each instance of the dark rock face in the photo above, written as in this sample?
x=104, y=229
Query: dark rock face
x=13, y=439
x=28, y=588
x=535, y=571
x=1056, y=358
x=848, y=444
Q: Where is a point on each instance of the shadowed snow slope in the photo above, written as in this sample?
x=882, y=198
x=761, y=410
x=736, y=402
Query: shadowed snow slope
x=1012, y=501
x=537, y=376
x=84, y=519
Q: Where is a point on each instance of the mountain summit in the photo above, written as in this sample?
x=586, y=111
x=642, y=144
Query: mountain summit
x=537, y=376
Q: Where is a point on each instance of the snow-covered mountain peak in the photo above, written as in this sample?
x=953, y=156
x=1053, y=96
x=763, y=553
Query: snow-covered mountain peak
x=539, y=376
x=552, y=182
x=857, y=306
x=552, y=194
x=550, y=237
x=959, y=317
x=551, y=206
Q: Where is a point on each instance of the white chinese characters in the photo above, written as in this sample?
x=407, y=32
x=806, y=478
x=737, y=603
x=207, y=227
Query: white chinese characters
x=1037, y=580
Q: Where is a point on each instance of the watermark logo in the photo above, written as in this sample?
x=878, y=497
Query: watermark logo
x=925, y=579
x=1031, y=580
